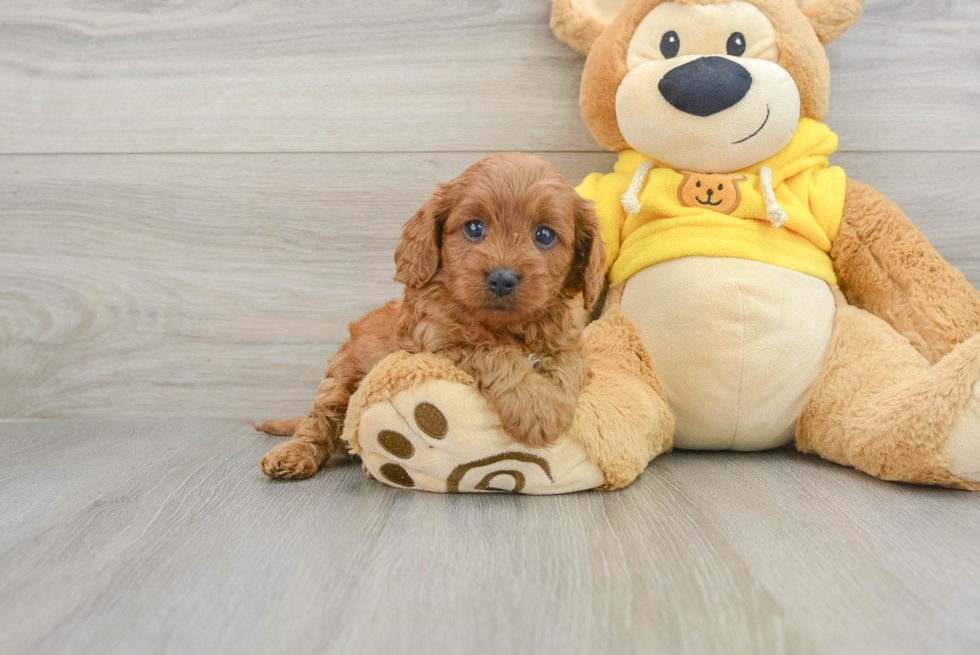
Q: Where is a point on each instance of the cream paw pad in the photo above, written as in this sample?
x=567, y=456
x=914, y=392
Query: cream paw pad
x=422, y=425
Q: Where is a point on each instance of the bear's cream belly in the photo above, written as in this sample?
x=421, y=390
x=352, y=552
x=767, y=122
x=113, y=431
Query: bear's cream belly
x=737, y=345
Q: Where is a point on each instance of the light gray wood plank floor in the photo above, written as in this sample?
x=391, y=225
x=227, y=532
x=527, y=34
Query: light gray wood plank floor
x=163, y=537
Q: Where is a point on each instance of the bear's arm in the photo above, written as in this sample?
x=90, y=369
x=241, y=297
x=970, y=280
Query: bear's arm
x=887, y=267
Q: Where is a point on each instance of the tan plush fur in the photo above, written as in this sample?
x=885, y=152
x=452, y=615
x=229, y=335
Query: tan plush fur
x=831, y=18
x=622, y=416
x=449, y=309
x=880, y=407
x=887, y=267
x=578, y=31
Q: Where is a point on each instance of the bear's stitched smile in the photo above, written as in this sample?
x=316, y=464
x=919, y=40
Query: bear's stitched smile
x=708, y=201
x=768, y=114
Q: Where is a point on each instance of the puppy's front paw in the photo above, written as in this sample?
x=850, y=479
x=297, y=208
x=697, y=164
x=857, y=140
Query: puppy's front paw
x=293, y=460
x=535, y=430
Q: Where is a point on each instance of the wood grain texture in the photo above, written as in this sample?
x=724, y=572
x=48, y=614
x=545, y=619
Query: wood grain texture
x=140, y=284
x=893, y=547
x=407, y=75
x=169, y=285
x=163, y=537
x=219, y=285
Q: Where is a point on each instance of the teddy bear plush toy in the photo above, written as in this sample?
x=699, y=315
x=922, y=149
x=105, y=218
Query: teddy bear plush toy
x=778, y=301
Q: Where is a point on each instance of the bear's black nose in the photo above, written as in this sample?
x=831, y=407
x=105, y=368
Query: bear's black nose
x=706, y=86
x=502, y=281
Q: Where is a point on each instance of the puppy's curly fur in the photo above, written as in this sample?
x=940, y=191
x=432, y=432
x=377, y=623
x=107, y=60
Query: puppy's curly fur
x=449, y=308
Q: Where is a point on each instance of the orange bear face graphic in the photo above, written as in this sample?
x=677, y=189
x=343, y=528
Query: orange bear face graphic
x=718, y=193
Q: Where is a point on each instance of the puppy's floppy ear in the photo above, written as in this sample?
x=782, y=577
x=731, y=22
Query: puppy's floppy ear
x=417, y=255
x=588, y=268
x=580, y=22
x=831, y=18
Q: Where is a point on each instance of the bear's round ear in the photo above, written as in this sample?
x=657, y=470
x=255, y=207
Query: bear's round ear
x=580, y=22
x=830, y=18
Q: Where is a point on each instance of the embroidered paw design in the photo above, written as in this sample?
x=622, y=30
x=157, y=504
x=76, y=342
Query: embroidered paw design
x=442, y=436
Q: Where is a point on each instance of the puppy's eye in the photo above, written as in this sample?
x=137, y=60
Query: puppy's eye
x=670, y=45
x=544, y=237
x=474, y=230
x=736, y=44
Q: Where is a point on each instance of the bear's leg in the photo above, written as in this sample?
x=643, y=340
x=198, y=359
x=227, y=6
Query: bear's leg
x=880, y=407
x=886, y=266
x=622, y=417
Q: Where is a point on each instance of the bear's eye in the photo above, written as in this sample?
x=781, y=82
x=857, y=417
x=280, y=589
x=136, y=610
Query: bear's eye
x=721, y=187
x=698, y=185
x=544, y=237
x=736, y=44
x=670, y=45
x=473, y=230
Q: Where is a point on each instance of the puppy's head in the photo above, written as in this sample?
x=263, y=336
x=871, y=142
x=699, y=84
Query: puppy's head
x=508, y=238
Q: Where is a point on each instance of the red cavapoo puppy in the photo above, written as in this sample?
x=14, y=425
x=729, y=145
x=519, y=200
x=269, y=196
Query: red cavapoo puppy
x=493, y=265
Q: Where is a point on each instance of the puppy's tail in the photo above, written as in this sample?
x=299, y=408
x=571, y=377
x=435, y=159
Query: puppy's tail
x=281, y=427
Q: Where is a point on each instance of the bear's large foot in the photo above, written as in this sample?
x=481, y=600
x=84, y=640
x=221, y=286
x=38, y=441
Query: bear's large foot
x=442, y=436
x=880, y=407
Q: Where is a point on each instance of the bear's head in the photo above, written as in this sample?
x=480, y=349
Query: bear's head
x=709, y=86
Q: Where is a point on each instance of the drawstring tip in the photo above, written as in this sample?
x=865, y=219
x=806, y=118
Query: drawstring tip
x=631, y=199
x=776, y=214
x=777, y=217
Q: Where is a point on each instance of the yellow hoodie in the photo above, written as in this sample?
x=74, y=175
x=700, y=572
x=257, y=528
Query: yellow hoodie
x=676, y=214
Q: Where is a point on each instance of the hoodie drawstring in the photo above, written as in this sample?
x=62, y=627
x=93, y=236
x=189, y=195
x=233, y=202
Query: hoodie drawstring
x=774, y=212
x=631, y=199
x=776, y=215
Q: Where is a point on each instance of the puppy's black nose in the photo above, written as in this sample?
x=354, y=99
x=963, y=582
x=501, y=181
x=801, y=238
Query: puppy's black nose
x=706, y=86
x=502, y=281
